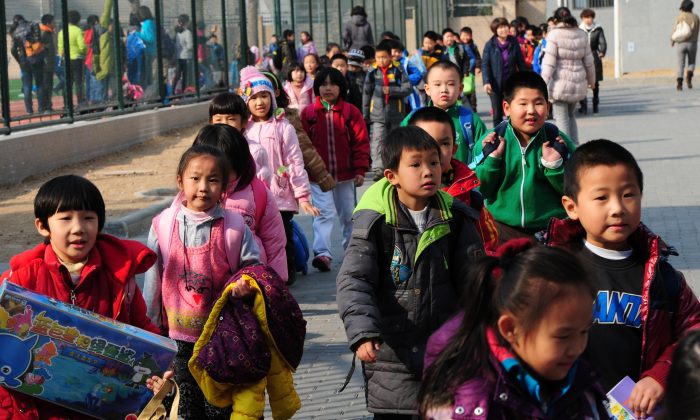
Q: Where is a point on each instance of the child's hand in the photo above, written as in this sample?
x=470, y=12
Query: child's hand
x=491, y=138
x=242, y=289
x=549, y=153
x=359, y=180
x=487, y=89
x=307, y=208
x=645, y=396
x=385, y=89
x=367, y=351
x=155, y=383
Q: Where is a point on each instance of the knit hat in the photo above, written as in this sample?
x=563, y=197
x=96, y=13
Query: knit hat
x=252, y=82
x=356, y=57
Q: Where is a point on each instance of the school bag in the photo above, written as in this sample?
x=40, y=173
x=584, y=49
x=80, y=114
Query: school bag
x=466, y=122
x=167, y=45
x=301, y=249
x=682, y=32
x=28, y=35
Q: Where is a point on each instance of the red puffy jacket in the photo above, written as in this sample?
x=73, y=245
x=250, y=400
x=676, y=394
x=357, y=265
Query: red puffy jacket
x=339, y=136
x=104, y=287
x=665, y=321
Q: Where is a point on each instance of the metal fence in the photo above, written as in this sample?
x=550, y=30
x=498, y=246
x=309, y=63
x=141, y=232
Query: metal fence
x=108, y=57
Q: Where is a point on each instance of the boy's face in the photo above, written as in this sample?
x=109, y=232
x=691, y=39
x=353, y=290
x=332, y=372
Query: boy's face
x=447, y=39
x=332, y=52
x=72, y=234
x=428, y=45
x=233, y=120
x=465, y=37
x=382, y=58
x=396, y=54
x=340, y=65
x=443, y=87
x=608, y=205
x=527, y=111
x=588, y=20
x=442, y=134
x=513, y=30
x=417, y=177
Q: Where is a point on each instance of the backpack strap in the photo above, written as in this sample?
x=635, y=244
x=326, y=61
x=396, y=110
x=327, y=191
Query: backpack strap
x=466, y=122
x=260, y=198
x=163, y=226
x=666, y=291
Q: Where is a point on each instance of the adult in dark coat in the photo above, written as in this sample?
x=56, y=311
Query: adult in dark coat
x=502, y=58
x=598, y=47
x=358, y=31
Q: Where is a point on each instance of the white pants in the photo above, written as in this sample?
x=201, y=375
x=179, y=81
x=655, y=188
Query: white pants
x=339, y=201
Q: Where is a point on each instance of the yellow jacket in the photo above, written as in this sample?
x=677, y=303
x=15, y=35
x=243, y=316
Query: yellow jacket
x=76, y=42
x=248, y=401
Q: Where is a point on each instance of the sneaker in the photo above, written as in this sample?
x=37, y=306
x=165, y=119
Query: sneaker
x=322, y=263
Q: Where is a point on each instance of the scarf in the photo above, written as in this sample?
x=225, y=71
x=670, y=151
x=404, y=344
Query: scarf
x=385, y=76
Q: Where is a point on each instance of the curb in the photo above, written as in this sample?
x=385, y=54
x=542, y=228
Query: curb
x=135, y=223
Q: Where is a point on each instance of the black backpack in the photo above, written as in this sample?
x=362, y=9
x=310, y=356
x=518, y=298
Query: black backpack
x=28, y=36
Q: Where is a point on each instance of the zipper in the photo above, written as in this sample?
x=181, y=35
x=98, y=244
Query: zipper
x=522, y=187
x=72, y=296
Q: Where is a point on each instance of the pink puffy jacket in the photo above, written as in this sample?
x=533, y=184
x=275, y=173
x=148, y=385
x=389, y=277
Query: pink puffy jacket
x=269, y=234
x=305, y=98
x=289, y=181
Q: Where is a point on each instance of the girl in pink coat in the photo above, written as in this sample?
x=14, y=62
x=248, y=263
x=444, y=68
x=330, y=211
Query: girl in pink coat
x=267, y=126
x=299, y=87
x=248, y=196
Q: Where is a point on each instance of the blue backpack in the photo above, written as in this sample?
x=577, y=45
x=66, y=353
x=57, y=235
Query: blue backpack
x=301, y=248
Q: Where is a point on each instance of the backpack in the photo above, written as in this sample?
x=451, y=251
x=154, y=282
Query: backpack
x=466, y=122
x=301, y=249
x=167, y=45
x=28, y=36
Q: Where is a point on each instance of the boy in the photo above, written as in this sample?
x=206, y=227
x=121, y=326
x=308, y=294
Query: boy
x=414, y=74
x=457, y=179
x=230, y=109
x=353, y=94
x=285, y=55
x=643, y=306
x=443, y=87
x=332, y=49
x=522, y=179
x=403, y=270
x=78, y=265
x=470, y=48
x=529, y=45
x=386, y=85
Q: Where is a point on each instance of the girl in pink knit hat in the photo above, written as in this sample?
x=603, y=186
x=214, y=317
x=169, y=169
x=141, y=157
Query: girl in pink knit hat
x=268, y=126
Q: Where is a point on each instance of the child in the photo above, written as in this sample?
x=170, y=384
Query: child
x=382, y=101
x=290, y=182
x=286, y=54
x=79, y=265
x=200, y=245
x=184, y=47
x=538, y=55
x=230, y=109
x=356, y=75
x=643, y=306
x=522, y=179
x=512, y=352
x=247, y=195
x=353, y=93
x=299, y=87
x=339, y=134
x=472, y=50
x=528, y=46
x=403, y=270
x=312, y=160
x=684, y=380
x=307, y=45
x=414, y=74
x=443, y=86
x=457, y=179
x=311, y=65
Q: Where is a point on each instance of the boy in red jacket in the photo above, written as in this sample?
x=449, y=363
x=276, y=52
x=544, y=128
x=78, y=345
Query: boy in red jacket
x=339, y=134
x=457, y=179
x=78, y=265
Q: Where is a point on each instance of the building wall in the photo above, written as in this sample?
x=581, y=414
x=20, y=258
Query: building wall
x=481, y=25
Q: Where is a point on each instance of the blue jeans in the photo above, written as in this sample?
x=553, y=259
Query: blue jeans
x=340, y=201
x=32, y=74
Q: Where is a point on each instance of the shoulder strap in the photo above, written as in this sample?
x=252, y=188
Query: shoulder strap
x=233, y=223
x=163, y=226
x=260, y=198
x=552, y=132
x=466, y=122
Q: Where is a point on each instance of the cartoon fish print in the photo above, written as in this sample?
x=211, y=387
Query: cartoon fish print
x=15, y=358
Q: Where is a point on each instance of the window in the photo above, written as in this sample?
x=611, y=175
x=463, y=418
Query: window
x=592, y=4
x=461, y=8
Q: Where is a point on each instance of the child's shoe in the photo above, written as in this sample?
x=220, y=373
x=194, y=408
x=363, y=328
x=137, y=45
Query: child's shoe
x=322, y=263
x=689, y=79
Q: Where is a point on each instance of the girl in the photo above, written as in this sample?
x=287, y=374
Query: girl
x=200, y=245
x=339, y=134
x=247, y=195
x=311, y=65
x=512, y=353
x=268, y=127
x=307, y=46
x=299, y=87
x=313, y=163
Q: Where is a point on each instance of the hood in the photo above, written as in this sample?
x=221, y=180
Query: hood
x=595, y=26
x=358, y=20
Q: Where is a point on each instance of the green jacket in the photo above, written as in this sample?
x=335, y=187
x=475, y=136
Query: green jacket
x=76, y=42
x=518, y=190
x=402, y=294
x=479, y=130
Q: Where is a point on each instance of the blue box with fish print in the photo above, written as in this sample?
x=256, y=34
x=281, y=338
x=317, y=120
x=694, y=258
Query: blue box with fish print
x=76, y=358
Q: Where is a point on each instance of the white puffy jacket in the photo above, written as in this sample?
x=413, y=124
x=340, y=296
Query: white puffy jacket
x=567, y=67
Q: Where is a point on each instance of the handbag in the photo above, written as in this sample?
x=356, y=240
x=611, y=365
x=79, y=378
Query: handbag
x=469, y=84
x=155, y=410
x=682, y=32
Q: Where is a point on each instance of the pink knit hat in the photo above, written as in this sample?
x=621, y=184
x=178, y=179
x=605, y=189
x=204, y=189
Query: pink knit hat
x=252, y=82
